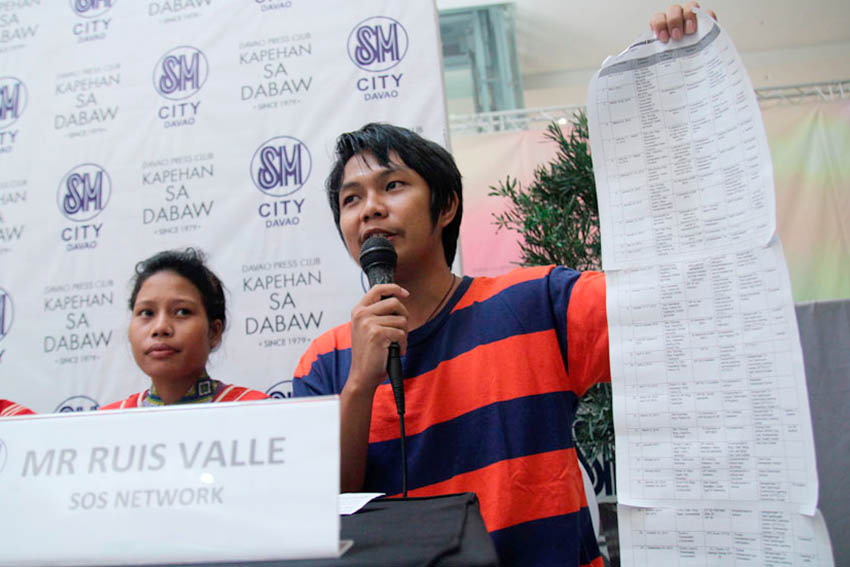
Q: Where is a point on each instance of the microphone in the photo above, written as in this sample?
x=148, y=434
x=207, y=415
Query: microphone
x=378, y=259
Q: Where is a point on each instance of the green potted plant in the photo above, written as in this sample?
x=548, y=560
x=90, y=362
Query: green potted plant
x=557, y=218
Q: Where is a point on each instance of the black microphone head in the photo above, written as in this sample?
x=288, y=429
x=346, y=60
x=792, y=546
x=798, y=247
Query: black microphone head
x=378, y=259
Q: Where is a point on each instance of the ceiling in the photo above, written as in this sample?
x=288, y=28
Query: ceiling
x=563, y=40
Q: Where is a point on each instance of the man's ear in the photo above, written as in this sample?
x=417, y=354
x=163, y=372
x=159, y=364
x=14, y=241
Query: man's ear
x=447, y=215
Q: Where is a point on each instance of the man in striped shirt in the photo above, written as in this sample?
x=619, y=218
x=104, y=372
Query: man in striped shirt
x=493, y=367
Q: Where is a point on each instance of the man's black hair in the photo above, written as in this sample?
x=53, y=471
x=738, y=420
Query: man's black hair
x=189, y=264
x=428, y=159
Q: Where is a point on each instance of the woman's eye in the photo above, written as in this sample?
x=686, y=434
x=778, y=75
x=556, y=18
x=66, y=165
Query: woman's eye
x=393, y=184
x=144, y=313
x=348, y=199
x=183, y=311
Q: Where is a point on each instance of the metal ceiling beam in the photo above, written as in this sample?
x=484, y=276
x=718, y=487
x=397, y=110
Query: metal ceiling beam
x=539, y=118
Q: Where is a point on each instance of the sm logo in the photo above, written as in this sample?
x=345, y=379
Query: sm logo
x=281, y=390
x=84, y=192
x=91, y=8
x=377, y=44
x=281, y=166
x=7, y=313
x=180, y=73
x=13, y=100
x=77, y=403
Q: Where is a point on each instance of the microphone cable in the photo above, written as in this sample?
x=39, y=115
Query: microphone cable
x=397, y=383
x=378, y=259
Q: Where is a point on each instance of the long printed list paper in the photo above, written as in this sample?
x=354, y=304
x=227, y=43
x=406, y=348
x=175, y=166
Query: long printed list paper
x=715, y=454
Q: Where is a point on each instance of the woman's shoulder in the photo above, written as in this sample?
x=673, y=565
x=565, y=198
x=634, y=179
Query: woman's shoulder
x=132, y=401
x=233, y=393
x=9, y=408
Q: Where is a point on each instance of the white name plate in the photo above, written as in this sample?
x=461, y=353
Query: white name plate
x=214, y=482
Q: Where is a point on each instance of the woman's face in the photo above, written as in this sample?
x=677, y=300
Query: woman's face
x=169, y=333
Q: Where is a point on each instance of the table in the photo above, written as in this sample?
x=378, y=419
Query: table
x=442, y=530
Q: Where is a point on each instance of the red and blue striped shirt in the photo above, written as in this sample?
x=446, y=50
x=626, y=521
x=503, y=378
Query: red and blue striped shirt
x=491, y=387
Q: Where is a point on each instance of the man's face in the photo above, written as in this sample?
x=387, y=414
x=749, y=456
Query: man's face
x=392, y=201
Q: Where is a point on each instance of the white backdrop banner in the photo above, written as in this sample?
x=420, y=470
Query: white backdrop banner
x=128, y=127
